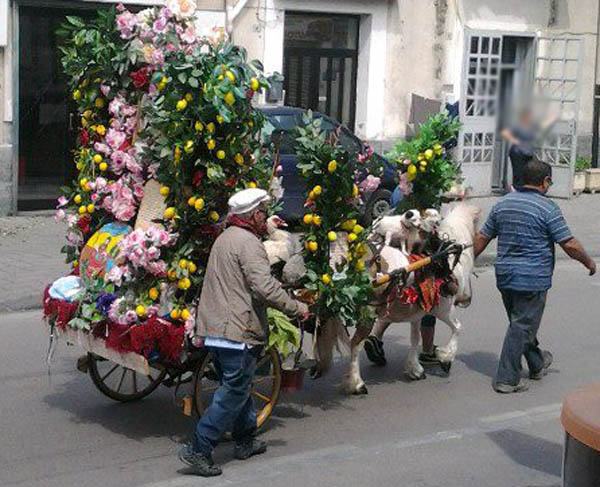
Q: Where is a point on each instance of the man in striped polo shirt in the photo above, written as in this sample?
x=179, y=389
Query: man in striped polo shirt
x=527, y=225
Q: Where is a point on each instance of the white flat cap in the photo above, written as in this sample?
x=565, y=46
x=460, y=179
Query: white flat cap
x=247, y=200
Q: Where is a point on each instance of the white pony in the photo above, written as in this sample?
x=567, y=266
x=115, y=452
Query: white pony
x=459, y=226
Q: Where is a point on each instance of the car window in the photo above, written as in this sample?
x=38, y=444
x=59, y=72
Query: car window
x=347, y=140
x=284, y=123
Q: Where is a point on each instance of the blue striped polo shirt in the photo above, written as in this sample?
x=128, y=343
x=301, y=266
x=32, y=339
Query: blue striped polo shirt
x=527, y=225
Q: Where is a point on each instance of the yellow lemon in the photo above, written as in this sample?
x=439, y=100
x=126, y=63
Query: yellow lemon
x=230, y=98
x=317, y=190
x=84, y=122
x=220, y=77
x=77, y=95
x=210, y=127
x=99, y=103
x=199, y=126
x=332, y=236
x=101, y=129
x=90, y=208
x=313, y=246
x=82, y=209
x=359, y=266
x=172, y=274
x=192, y=267
x=326, y=279
x=169, y=213
x=184, y=283
x=199, y=204
x=354, y=190
x=437, y=147
x=254, y=84
x=211, y=144
x=250, y=123
x=192, y=201
x=307, y=219
x=153, y=293
x=188, y=97
x=352, y=237
x=75, y=263
x=140, y=310
x=357, y=229
x=181, y=105
x=185, y=314
x=79, y=166
x=316, y=220
x=423, y=163
x=189, y=147
x=214, y=216
x=411, y=177
x=97, y=158
x=312, y=195
x=164, y=191
x=239, y=158
x=175, y=314
x=221, y=154
x=252, y=185
x=332, y=166
x=83, y=182
x=87, y=114
x=103, y=166
x=423, y=168
x=429, y=154
x=77, y=199
x=412, y=169
x=220, y=119
x=183, y=263
x=230, y=76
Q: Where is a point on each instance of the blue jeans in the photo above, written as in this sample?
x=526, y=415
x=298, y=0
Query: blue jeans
x=524, y=310
x=232, y=407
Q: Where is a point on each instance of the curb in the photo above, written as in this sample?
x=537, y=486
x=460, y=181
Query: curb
x=25, y=303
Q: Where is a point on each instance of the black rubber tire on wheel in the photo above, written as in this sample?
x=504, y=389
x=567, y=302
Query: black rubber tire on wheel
x=99, y=380
x=378, y=204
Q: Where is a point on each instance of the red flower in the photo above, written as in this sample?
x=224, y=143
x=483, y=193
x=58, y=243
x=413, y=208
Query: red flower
x=198, y=177
x=84, y=224
x=140, y=77
x=125, y=145
x=231, y=182
x=84, y=138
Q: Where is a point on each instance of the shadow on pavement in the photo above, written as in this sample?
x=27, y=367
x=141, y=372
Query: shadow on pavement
x=484, y=363
x=530, y=451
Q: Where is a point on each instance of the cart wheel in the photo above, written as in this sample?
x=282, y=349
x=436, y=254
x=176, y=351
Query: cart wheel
x=265, y=385
x=120, y=383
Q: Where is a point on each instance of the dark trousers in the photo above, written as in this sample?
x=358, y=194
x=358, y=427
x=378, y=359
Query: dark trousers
x=232, y=407
x=524, y=310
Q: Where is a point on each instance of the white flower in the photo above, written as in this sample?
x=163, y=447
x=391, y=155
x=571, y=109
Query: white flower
x=182, y=8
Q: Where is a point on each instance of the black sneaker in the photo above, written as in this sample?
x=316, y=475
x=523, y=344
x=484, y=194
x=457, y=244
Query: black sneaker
x=429, y=358
x=199, y=463
x=374, y=350
x=249, y=447
x=548, y=359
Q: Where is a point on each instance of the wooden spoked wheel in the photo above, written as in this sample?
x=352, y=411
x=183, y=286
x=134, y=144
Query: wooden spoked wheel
x=265, y=385
x=120, y=383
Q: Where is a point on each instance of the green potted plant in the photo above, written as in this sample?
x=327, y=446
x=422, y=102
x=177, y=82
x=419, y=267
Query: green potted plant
x=285, y=337
x=579, y=178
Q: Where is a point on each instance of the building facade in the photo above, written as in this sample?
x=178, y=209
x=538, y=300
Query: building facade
x=365, y=63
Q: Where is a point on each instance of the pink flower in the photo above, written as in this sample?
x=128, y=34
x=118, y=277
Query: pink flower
x=370, y=184
x=59, y=215
x=158, y=57
x=62, y=201
x=101, y=183
x=189, y=36
x=138, y=190
x=103, y=148
x=131, y=316
x=115, y=138
x=160, y=25
x=405, y=185
x=126, y=22
x=279, y=169
x=105, y=90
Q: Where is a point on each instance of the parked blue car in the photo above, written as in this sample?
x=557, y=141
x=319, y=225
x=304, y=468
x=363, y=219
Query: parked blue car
x=285, y=120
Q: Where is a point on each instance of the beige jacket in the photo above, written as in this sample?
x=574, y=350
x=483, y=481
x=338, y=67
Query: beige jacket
x=237, y=288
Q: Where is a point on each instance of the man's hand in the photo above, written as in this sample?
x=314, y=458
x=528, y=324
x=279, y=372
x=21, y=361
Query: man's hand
x=576, y=251
x=303, y=310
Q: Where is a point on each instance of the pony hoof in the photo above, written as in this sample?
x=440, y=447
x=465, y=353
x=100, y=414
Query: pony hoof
x=413, y=376
x=446, y=366
x=361, y=391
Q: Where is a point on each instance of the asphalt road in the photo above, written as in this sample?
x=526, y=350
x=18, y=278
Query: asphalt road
x=444, y=431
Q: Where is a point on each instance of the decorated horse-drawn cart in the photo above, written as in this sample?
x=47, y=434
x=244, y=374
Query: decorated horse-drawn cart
x=168, y=132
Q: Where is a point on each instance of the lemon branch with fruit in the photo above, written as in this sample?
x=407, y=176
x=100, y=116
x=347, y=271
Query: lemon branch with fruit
x=427, y=169
x=337, y=279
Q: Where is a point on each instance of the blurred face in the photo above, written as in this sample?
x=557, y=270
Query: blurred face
x=259, y=217
x=547, y=184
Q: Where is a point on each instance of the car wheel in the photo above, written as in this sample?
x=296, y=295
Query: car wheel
x=378, y=205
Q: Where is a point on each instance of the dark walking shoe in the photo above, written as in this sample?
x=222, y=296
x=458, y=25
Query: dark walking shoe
x=548, y=359
x=249, y=447
x=374, y=350
x=199, y=463
x=429, y=358
x=501, y=388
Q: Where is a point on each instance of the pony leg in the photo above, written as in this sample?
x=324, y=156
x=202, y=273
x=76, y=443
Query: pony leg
x=447, y=353
x=412, y=368
x=380, y=327
x=353, y=383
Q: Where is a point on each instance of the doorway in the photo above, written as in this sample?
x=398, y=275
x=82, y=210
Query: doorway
x=320, y=63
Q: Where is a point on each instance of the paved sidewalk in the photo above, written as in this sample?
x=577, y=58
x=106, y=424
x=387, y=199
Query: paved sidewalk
x=30, y=254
